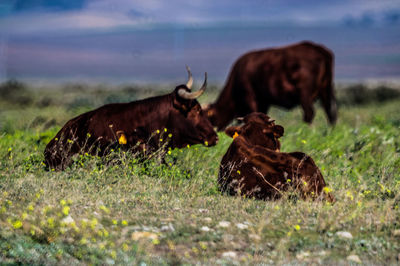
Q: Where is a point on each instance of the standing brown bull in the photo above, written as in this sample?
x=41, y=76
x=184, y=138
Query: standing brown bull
x=143, y=125
x=253, y=165
x=287, y=76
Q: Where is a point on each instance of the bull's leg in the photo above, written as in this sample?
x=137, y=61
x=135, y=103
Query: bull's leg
x=329, y=103
x=250, y=101
x=307, y=97
x=264, y=108
x=308, y=109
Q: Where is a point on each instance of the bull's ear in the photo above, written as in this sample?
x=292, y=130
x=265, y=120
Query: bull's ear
x=180, y=105
x=209, y=110
x=278, y=131
x=230, y=131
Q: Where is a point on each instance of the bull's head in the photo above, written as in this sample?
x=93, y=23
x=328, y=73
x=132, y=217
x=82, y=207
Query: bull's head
x=189, y=123
x=218, y=119
x=258, y=129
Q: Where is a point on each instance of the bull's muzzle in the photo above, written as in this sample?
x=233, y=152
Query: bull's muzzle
x=212, y=141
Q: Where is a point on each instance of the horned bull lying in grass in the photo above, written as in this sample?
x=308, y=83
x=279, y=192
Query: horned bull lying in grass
x=253, y=165
x=134, y=125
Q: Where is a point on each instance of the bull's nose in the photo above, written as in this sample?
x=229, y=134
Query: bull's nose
x=212, y=141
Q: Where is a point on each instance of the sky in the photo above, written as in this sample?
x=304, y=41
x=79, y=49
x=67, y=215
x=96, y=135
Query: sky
x=27, y=16
x=54, y=33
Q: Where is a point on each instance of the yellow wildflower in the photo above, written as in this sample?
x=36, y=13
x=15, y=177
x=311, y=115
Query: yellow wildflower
x=93, y=223
x=17, y=224
x=50, y=221
x=349, y=195
x=104, y=208
x=65, y=210
x=203, y=245
x=122, y=139
x=327, y=189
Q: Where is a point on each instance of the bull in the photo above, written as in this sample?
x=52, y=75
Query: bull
x=174, y=120
x=253, y=165
x=285, y=77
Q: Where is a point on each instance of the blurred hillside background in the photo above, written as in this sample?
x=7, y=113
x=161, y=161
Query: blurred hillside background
x=119, y=42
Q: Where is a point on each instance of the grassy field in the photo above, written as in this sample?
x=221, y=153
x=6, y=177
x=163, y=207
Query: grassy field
x=131, y=212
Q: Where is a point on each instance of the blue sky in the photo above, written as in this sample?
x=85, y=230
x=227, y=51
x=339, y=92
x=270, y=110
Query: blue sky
x=27, y=16
x=124, y=40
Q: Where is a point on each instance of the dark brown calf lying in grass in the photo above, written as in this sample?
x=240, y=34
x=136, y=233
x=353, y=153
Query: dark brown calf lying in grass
x=253, y=165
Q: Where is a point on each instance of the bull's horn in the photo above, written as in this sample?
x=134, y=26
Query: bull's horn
x=190, y=79
x=193, y=95
x=271, y=120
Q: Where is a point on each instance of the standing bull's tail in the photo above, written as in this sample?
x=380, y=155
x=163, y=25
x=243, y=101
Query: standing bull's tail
x=327, y=93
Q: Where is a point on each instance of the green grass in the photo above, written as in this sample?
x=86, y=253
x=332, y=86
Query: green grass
x=126, y=211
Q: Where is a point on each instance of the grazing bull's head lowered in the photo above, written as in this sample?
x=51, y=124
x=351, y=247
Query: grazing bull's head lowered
x=297, y=74
x=174, y=120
